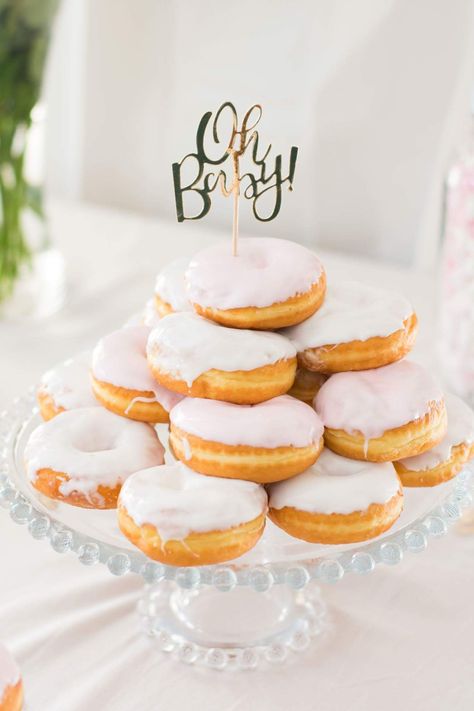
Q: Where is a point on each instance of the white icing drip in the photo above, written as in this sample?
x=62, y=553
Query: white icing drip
x=171, y=286
x=265, y=271
x=92, y=446
x=120, y=359
x=282, y=421
x=9, y=671
x=335, y=484
x=187, y=448
x=351, y=311
x=138, y=399
x=177, y=501
x=460, y=430
x=186, y=345
x=371, y=402
x=69, y=384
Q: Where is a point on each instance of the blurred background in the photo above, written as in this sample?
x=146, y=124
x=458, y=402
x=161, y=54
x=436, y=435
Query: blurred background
x=375, y=94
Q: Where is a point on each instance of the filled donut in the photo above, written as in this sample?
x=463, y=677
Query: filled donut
x=82, y=457
x=66, y=387
x=193, y=356
x=266, y=442
x=182, y=518
x=307, y=385
x=358, y=327
x=448, y=457
x=271, y=283
x=337, y=500
x=384, y=414
x=170, y=288
x=11, y=685
x=121, y=379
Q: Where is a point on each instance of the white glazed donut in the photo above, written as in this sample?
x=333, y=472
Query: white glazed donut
x=66, y=387
x=447, y=458
x=337, y=500
x=122, y=381
x=11, y=685
x=271, y=283
x=170, y=288
x=83, y=456
x=194, y=356
x=150, y=316
x=182, y=518
x=358, y=327
x=267, y=442
x=382, y=414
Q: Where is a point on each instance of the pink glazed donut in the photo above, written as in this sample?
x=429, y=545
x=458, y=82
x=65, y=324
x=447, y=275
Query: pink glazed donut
x=66, y=387
x=267, y=442
x=271, y=283
x=170, y=289
x=383, y=414
x=448, y=457
x=122, y=381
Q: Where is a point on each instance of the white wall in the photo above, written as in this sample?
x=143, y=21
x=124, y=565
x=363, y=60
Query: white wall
x=375, y=94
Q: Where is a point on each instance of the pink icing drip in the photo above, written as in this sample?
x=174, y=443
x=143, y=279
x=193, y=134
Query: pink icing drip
x=280, y=422
x=265, y=271
x=120, y=359
x=374, y=401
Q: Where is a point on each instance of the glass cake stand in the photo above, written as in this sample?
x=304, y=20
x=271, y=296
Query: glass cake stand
x=260, y=608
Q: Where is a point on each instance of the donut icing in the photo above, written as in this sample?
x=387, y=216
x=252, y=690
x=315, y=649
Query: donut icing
x=9, y=671
x=69, y=384
x=335, y=484
x=374, y=401
x=351, y=311
x=177, y=501
x=120, y=359
x=265, y=271
x=186, y=345
x=171, y=285
x=280, y=422
x=150, y=316
x=92, y=446
x=460, y=430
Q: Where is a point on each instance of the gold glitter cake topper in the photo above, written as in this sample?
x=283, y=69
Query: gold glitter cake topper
x=264, y=180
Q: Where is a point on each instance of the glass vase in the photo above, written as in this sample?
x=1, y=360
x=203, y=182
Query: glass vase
x=457, y=271
x=31, y=281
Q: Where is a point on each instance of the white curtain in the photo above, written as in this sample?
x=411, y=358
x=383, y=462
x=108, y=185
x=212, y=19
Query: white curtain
x=375, y=93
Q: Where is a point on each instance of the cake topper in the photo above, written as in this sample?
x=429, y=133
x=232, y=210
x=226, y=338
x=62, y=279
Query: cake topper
x=264, y=179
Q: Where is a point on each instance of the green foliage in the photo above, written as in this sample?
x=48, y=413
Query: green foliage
x=24, y=36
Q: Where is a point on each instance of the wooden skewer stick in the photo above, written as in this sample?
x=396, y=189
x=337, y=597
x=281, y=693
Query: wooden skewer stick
x=236, y=191
x=235, y=223
x=236, y=153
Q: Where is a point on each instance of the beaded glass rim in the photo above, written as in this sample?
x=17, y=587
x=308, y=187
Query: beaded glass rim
x=296, y=574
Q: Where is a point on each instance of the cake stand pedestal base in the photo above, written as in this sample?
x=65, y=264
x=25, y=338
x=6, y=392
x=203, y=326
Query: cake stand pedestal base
x=239, y=629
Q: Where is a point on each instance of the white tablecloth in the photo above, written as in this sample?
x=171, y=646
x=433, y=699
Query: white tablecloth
x=401, y=638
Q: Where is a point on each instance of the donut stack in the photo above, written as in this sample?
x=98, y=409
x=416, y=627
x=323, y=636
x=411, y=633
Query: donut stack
x=255, y=364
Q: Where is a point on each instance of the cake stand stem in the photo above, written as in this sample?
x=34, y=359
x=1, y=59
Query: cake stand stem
x=237, y=629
